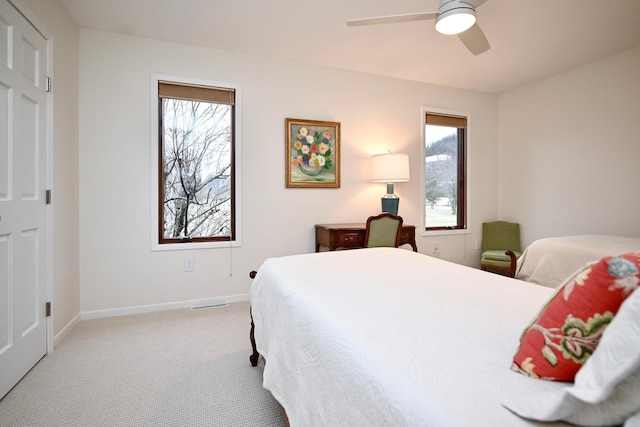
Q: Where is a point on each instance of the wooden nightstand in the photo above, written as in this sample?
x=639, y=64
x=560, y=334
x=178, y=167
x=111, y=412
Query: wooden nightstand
x=351, y=236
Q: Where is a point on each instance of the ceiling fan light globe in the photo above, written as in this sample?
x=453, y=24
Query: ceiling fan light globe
x=455, y=21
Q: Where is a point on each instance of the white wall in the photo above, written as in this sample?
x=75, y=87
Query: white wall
x=569, y=151
x=66, y=277
x=117, y=268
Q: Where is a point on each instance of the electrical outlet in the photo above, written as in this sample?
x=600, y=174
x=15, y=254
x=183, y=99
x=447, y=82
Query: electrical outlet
x=189, y=264
x=478, y=244
x=436, y=246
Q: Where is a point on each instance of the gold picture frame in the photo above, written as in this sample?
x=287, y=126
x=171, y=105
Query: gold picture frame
x=312, y=154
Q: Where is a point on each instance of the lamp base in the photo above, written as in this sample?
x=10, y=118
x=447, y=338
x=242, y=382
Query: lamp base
x=390, y=201
x=390, y=204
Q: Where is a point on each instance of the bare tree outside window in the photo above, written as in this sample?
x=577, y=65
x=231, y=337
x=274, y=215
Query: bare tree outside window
x=197, y=170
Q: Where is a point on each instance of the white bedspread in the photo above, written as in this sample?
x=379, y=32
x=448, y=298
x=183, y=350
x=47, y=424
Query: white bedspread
x=549, y=261
x=389, y=337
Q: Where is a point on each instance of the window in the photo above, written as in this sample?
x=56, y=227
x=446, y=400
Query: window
x=196, y=155
x=445, y=139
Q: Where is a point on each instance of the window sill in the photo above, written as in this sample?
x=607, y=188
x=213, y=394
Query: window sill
x=426, y=233
x=156, y=247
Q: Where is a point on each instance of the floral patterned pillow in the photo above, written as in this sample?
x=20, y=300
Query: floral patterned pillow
x=570, y=325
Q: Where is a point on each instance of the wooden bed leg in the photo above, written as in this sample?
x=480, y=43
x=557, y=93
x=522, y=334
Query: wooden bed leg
x=255, y=355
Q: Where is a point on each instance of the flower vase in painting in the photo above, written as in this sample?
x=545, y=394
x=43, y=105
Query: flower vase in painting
x=312, y=151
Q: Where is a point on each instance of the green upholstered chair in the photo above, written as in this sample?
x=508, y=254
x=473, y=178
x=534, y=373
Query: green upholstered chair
x=500, y=247
x=383, y=231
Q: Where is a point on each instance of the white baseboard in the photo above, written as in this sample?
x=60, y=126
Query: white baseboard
x=57, y=339
x=99, y=314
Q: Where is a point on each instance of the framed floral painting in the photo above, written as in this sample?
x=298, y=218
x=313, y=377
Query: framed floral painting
x=312, y=154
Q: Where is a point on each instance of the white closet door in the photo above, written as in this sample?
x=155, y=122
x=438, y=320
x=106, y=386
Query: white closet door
x=23, y=177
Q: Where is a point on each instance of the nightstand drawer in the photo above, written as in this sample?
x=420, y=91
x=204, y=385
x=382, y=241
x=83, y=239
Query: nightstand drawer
x=407, y=236
x=348, y=240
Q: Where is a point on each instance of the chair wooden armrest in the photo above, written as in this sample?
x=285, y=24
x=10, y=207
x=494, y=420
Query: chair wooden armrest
x=512, y=267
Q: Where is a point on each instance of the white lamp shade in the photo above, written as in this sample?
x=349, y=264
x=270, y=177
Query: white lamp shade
x=390, y=167
x=455, y=21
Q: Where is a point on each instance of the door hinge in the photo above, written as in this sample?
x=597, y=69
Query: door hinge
x=48, y=309
x=47, y=197
x=47, y=84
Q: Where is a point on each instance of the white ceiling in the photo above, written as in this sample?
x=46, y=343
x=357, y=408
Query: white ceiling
x=530, y=39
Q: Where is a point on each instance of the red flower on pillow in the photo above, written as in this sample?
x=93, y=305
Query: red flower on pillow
x=569, y=328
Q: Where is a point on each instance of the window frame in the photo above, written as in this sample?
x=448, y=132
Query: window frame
x=463, y=181
x=156, y=204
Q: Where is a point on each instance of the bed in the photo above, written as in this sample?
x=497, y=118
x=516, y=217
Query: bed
x=549, y=261
x=386, y=336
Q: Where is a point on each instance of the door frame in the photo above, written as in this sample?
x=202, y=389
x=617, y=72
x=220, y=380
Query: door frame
x=42, y=29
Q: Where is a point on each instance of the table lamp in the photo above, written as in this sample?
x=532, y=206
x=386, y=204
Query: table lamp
x=390, y=168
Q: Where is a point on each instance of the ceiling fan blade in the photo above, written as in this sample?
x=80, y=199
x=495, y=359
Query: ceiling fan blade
x=475, y=40
x=392, y=19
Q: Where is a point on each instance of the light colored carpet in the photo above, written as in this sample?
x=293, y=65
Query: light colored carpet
x=172, y=368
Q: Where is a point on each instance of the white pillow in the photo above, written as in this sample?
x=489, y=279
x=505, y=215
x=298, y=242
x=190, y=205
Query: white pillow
x=606, y=390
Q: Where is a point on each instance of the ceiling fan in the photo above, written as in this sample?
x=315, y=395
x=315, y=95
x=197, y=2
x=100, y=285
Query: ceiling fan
x=453, y=17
